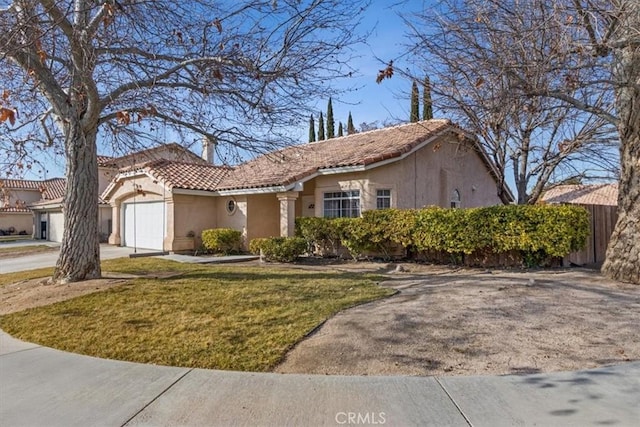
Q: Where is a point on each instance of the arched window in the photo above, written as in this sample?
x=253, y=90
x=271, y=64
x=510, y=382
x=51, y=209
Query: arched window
x=455, y=199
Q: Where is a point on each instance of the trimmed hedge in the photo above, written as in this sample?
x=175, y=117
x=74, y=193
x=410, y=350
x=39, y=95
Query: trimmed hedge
x=256, y=244
x=222, y=240
x=320, y=234
x=279, y=249
x=537, y=233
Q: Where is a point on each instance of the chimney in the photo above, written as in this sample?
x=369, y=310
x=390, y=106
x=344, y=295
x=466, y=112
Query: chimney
x=208, y=149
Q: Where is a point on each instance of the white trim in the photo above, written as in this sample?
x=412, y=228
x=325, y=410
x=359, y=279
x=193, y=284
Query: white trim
x=189, y=192
x=47, y=206
x=113, y=185
x=257, y=190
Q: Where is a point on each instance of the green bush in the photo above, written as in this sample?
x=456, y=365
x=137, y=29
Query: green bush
x=280, y=249
x=376, y=232
x=535, y=234
x=320, y=234
x=222, y=240
x=350, y=233
x=256, y=244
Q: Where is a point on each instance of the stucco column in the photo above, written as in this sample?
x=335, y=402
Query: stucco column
x=169, y=220
x=287, y=213
x=114, y=237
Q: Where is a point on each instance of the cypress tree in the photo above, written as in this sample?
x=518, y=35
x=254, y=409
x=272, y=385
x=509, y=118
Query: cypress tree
x=320, y=127
x=340, y=129
x=350, y=128
x=427, y=107
x=312, y=130
x=330, y=121
x=415, y=103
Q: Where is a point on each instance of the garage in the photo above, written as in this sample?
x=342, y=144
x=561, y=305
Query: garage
x=144, y=225
x=56, y=226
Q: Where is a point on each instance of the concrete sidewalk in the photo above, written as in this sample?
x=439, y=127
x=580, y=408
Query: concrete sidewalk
x=49, y=259
x=42, y=386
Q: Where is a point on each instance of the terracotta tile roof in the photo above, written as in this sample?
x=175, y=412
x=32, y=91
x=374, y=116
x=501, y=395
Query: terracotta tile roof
x=191, y=176
x=20, y=184
x=53, y=188
x=104, y=160
x=10, y=209
x=291, y=164
x=49, y=188
x=600, y=194
x=150, y=154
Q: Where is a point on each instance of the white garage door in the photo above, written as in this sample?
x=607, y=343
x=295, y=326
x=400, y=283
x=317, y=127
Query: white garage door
x=144, y=225
x=56, y=226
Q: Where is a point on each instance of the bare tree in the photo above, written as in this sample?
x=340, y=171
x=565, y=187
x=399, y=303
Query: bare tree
x=596, y=69
x=77, y=71
x=479, y=53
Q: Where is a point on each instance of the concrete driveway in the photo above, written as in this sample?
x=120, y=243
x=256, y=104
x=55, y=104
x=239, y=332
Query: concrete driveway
x=446, y=321
x=48, y=259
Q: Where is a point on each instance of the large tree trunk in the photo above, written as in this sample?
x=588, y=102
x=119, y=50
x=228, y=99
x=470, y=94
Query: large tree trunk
x=623, y=254
x=80, y=250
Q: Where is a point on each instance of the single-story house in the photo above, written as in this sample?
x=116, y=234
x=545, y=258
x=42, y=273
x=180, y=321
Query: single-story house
x=35, y=206
x=162, y=204
x=18, y=195
x=601, y=201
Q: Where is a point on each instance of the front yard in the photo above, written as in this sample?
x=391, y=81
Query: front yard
x=442, y=320
x=238, y=318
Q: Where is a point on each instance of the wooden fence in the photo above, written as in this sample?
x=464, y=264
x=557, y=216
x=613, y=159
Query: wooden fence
x=603, y=220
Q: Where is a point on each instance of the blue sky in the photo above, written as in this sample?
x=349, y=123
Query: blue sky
x=389, y=100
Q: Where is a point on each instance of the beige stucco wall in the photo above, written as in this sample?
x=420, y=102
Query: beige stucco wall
x=427, y=177
x=21, y=221
x=27, y=196
x=105, y=176
x=192, y=214
x=236, y=220
x=263, y=216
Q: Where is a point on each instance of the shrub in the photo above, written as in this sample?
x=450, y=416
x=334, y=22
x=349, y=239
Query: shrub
x=256, y=244
x=320, y=234
x=281, y=249
x=222, y=240
x=373, y=232
x=533, y=234
x=536, y=232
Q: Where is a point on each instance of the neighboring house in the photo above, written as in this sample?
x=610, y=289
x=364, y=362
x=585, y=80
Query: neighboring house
x=36, y=206
x=601, y=201
x=161, y=204
x=18, y=195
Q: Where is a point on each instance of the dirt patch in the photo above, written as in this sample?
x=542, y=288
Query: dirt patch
x=38, y=292
x=473, y=322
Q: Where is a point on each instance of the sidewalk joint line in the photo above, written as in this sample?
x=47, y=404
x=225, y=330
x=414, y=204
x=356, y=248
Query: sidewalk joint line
x=20, y=351
x=453, y=401
x=157, y=397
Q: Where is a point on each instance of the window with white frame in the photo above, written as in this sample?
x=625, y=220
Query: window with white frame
x=455, y=199
x=383, y=199
x=342, y=204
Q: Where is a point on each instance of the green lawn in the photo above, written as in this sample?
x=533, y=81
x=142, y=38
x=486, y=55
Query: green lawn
x=237, y=317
